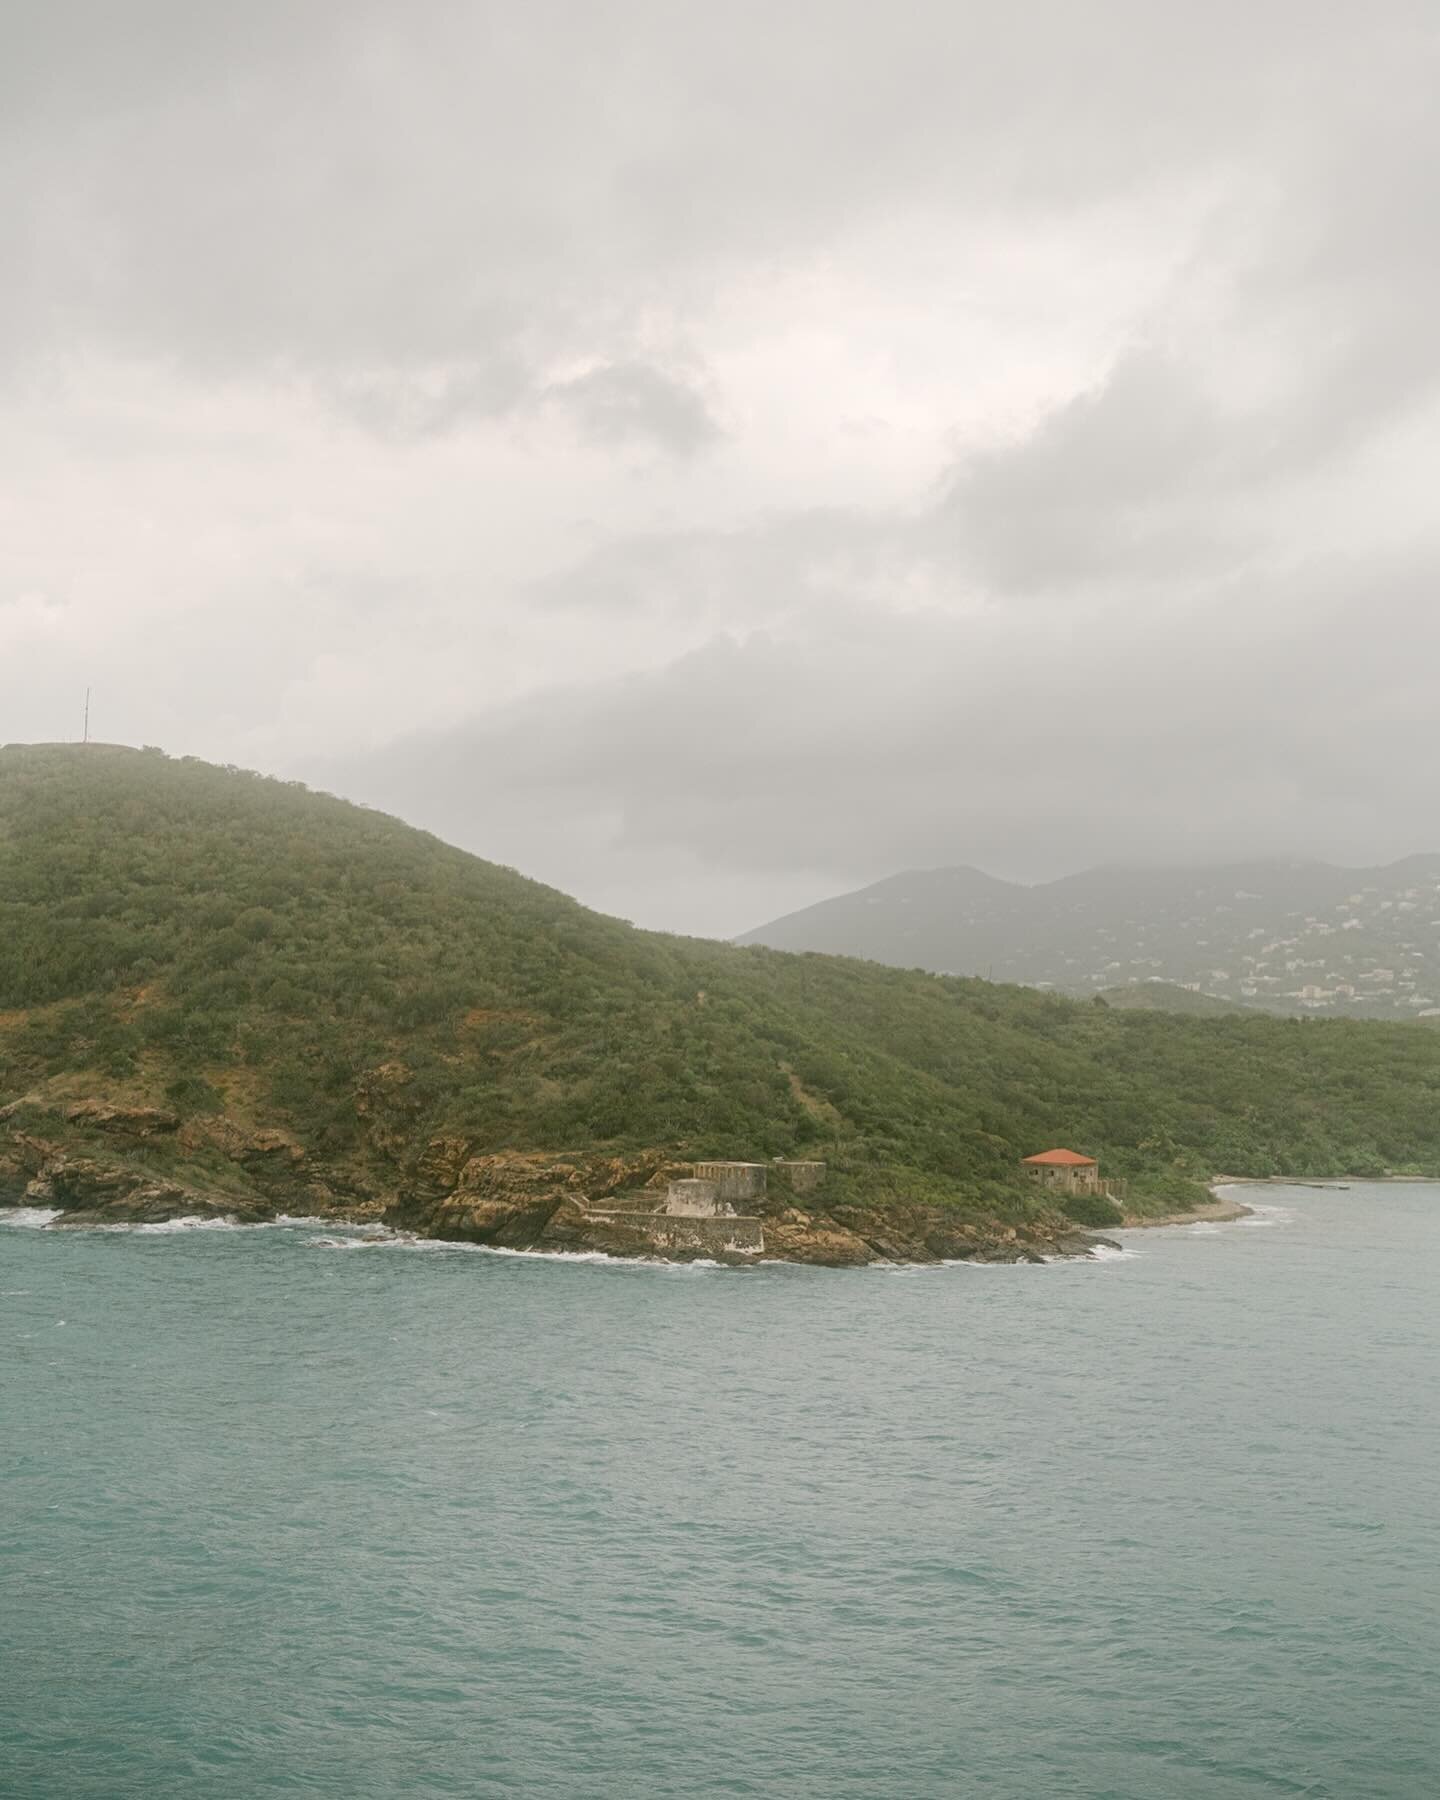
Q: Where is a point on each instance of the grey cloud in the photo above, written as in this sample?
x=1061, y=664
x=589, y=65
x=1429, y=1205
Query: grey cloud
x=1101, y=490
x=332, y=183
x=1299, y=331
x=872, y=745
x=772, y=569
x=1128, y=625
x=633, y=401
x=410, y=405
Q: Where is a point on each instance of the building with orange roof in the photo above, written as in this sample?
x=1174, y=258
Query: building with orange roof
x=1065, y=1170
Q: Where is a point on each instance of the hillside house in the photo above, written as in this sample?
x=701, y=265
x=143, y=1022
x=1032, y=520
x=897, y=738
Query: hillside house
x=1066, y=1171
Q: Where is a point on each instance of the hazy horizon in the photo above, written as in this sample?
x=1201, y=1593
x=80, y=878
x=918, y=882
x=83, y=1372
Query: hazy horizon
x=1133, y=865
x=711, y=461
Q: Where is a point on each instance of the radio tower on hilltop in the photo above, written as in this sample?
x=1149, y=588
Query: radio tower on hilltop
x=86, y=738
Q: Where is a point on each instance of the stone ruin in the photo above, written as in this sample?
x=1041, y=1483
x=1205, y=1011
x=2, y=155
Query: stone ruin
x=696, y=1198
x=724, y=1189
x=712, y=1208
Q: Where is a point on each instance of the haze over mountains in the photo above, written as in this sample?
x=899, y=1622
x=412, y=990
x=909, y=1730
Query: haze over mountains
x=1288, y=936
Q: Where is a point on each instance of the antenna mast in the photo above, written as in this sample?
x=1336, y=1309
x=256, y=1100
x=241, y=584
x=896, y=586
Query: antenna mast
x=86, y=738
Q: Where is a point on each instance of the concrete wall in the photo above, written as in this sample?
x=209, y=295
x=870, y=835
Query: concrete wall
x=708, y=1236
x=696, y=1199
x=735, y=1181
x=802, y=1176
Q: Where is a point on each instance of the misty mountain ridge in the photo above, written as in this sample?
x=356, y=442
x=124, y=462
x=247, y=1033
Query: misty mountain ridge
x=1288, y=935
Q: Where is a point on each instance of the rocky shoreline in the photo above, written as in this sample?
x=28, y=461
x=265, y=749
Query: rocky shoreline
x=111, y=1165
x=107, y=1167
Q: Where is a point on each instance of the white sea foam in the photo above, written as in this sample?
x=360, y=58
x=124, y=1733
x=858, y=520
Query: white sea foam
x=1113, y=1253
x=1264, y=1216
x=582, y=1256
x=38, y=1216
x=585, y=1256
x=980, y=1262
x=32, y=1216
x=169, y=1227
x=368, y=1242
x=290, y=1221
x=379, y=1237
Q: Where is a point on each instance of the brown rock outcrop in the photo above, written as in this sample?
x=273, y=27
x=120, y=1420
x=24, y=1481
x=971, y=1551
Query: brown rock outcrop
x=438, y=1167
x=385, y=1100
x=255, y=1147
x=501, y=1199
x=795, y=1236
x=123, y=1121
x=90, y=1192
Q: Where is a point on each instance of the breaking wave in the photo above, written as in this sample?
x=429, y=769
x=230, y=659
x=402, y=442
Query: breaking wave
x=1264, y=1216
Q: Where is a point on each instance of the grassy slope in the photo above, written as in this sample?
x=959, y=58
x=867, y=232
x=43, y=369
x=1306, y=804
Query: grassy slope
x=208, y=938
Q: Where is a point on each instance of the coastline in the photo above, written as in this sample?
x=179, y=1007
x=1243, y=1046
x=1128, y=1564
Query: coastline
x=558, y=1222
x=1216, y=1211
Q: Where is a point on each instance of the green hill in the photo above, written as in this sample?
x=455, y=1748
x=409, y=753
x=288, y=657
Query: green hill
x=213, y=982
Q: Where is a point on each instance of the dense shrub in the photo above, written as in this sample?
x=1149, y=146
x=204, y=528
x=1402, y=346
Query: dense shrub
x=1091, y=1209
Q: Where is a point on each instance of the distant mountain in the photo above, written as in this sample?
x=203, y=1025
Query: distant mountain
x=1288, y=937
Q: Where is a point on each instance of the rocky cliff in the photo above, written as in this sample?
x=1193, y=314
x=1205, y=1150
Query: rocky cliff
x=103, y=1160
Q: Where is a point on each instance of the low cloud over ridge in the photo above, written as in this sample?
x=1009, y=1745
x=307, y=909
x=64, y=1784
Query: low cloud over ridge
x=713, y=461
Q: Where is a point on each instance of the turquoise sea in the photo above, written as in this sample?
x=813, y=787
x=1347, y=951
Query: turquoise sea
x=286, y=1511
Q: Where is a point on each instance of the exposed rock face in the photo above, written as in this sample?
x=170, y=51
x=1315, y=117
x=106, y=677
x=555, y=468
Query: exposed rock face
x=14, y=1175
x=92, y=1185
x=505, y=1200
x=95, y=1193
x=573, y=1227
x=122, y=1121
x=256, y=1147
x=850, y=1236
x=797, y=1236
x=386, y=1100
x=437, y=1170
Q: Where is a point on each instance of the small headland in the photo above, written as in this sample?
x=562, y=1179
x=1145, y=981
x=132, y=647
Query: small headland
x=101, y=1161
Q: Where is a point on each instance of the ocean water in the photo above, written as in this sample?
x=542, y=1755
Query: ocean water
x=289, y=1511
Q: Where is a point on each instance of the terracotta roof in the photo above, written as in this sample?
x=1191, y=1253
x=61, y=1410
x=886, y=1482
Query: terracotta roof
x=1066, y=1159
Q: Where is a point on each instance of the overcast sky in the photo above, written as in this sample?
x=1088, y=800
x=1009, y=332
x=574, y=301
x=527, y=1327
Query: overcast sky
x=713, y=456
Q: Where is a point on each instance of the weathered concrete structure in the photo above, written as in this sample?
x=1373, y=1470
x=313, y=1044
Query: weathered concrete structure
x=710, y=1212
x=803, y=1177
x=735, y=1181
x=696, y=1199
x=707, y=1237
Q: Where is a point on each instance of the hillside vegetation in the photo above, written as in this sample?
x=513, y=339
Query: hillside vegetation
x=243, y=951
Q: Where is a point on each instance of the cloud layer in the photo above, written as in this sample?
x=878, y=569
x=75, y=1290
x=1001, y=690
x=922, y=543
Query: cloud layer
x=713, y=458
